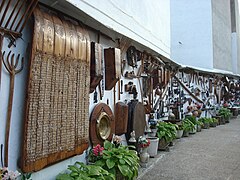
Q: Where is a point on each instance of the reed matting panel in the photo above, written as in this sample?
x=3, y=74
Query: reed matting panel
x=57, y=117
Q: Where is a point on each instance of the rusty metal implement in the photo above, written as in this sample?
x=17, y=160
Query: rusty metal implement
x=11, y=66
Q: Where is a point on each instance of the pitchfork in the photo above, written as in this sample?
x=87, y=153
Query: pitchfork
x=11, y=67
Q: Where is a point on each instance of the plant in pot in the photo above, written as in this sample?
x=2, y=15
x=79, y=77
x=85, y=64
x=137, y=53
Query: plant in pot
x=179, y=131
x=205, y=122
x=213, y=122
x=166, y=133
x=225, y=113
x=187, y=127
x=95, y=154
x=87, y=172
x=121, y=161
x=194, y=121
x=199, y=126
x=144, y=143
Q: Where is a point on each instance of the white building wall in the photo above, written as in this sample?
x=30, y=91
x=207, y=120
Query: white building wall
x=147, y=22
x=191, y=33
x=234, y=53
x=222, y=35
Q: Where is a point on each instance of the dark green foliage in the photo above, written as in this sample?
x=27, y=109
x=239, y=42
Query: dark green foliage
x=80, y=171
x=226, y=113
x=119, y=159
x=166, y=130
x=188, y=125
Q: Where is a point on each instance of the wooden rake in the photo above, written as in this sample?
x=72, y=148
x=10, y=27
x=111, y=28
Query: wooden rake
x=11, y=66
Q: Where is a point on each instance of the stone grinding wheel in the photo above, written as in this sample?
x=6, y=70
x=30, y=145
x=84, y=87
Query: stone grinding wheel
x=136, y=119
x=102, y=124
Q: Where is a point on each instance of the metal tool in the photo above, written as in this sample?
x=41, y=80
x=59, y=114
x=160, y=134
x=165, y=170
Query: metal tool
x=2, y=155
x=2, y=4
x=13, y=20
x=1, y=56
x=11, y=67
x=10, y=17
x=16, y=15
x=5, y=12
x=121, y=87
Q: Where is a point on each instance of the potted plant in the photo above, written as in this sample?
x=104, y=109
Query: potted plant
x=205, y=121
x=187, y=127
x=166, y=133
x=199, y=126
x=179, y=131
x=213, y=122
x=95, y=154
x=143, y=143
x=81, y=171
x=120, y=161
x=194, y=121
x=226, y=113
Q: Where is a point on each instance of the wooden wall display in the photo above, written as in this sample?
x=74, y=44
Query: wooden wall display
x=112, y=58
x=121, y=118
x=136, y=119
x=96, y=65
x=102, y=124
x=56, y=124
x=156, y=78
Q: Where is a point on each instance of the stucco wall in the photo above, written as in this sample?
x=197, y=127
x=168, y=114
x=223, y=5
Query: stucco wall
x=145, y=22
x=221, y=25
x=191, y=33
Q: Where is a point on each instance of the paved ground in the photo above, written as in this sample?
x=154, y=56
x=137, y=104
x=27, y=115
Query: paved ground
x=213, y=154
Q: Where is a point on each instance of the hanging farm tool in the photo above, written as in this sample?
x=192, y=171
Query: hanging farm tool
x=14, y=17
x=11, y=66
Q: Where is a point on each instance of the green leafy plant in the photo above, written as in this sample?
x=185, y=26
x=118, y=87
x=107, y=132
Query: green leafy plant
x=188, y=125
x=80, y=171
x=26, y=176
x=214, y=120
x=166, y=130
x=192, y=119
x=205, y=120
x=226, y=113
x=119, y=159
x=179, y=127
x=199, y=123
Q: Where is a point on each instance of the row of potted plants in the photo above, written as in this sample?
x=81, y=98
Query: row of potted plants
x=167, y=132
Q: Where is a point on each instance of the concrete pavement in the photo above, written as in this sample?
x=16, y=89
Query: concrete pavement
x=213, y=154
